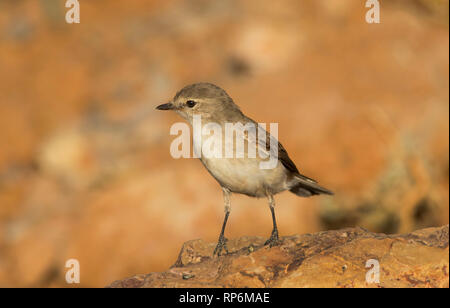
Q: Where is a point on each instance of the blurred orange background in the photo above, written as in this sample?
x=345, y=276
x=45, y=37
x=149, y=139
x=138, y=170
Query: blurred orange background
x=85, y=167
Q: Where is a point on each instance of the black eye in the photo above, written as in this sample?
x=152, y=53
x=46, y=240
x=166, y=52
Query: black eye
x=190, y=104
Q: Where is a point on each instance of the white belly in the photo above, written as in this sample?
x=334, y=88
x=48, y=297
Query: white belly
x=245, y=175
x=242, y=174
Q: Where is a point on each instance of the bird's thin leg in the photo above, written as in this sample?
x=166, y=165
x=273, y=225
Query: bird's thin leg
x=222, y=242
x=274, y=239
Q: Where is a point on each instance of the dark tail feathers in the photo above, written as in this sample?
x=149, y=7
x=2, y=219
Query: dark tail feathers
x=307, y=187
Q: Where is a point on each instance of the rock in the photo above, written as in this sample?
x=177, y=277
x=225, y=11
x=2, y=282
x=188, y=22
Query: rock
x=325, y=259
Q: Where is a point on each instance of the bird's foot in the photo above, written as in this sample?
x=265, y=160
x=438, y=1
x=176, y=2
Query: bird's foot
x=221, y=244
x=274, y=240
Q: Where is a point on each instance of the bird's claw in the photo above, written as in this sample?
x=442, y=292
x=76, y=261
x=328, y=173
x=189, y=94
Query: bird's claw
x=221, y=244
x=274, y=240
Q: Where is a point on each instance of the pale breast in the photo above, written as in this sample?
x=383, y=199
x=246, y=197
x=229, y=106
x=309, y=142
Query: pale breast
x=241, y=173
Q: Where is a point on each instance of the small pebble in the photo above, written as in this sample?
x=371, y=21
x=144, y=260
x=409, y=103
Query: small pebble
x=188, y=276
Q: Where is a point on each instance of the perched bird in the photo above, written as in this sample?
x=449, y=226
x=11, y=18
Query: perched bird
x=240, y=172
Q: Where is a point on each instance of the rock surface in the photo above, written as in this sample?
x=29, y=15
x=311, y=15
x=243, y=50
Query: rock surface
x=325, y=259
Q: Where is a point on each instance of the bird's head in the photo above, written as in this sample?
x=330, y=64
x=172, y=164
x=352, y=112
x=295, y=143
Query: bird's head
x=204, y=99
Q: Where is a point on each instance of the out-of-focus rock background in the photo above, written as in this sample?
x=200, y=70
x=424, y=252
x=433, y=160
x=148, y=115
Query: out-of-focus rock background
x=85, y=168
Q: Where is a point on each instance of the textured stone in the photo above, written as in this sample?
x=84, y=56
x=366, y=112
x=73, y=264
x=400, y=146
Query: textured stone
x=324, y=259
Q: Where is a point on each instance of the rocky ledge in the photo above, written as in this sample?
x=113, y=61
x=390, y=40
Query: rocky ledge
x=341, y=258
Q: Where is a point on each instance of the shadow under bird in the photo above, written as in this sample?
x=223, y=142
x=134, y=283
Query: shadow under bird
x=241, y=173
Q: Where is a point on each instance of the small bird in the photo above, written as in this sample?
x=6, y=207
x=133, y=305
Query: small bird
x=238, y=173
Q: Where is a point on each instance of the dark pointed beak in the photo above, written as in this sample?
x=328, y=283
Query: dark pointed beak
x=168, y=106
